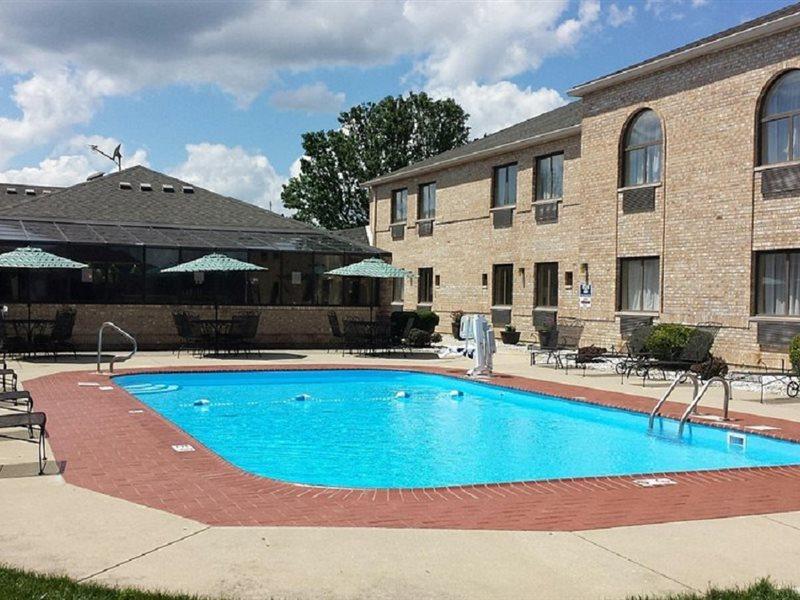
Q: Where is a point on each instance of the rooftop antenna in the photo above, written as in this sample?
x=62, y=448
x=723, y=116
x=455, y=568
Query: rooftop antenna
x=115, y=157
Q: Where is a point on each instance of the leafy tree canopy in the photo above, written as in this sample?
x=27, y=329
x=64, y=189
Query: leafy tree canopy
x=373, y=139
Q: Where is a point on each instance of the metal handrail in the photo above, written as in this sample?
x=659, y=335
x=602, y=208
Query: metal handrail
x=679, y=378
x=726, y=386
x=124, y=334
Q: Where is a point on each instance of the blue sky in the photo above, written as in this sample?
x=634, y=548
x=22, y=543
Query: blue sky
x=220, y=93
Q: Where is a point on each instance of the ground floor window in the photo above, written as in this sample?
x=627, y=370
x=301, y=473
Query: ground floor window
x=397, y=290
x=546, y=293
x=639, y=284
x=778, y=283
x=503, y=285
x=425, y=286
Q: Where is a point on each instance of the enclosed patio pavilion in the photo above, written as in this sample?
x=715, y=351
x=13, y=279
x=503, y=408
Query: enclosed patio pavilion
x=128, y=226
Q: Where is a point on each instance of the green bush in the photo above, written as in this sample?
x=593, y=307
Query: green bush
x=715, y=366
x=667, y=340
x=427, y=320
x=436, y=338
x=794, y=352
x=418, y=338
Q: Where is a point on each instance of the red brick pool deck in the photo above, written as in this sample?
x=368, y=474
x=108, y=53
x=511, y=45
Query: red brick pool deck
x=103, y=446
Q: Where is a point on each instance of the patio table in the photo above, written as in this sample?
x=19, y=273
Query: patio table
x=218, y=327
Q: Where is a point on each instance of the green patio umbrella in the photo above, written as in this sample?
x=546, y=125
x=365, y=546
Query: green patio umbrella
x=214, y=263
x=35, y=258
x=374, y=268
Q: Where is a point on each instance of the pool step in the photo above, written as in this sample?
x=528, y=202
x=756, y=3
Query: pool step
x=152, y=388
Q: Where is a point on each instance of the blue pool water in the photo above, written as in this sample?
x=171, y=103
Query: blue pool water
x=352, y=430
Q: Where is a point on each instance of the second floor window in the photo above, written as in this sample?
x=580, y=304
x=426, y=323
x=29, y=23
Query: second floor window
x=778, y=283
x=780, y=121
x=503, y=285
x=639, y=284
x=399, y=203
x=426, y=203
x=505, y=186
x=550, y=177
x=547, y=284
x=425, y=286
x=641, y=160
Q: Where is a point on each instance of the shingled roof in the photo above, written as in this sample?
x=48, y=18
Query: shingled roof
x=17, y=193
x=562, y=118
x=141, y=206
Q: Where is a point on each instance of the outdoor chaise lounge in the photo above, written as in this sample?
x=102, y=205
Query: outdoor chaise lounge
x=28, y=420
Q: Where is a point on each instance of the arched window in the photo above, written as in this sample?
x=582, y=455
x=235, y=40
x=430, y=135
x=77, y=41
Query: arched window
x=780, y=120
x=641, y=159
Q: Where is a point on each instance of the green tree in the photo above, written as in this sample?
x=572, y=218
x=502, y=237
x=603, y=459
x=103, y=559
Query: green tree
x=373, y=139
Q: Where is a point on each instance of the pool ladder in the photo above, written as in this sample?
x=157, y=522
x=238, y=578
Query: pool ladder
x=696, y=397
x=114, y=359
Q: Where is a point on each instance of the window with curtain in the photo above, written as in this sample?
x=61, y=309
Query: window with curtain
x=505, y=186
x=639, y=284
x=780, y=120
x=546, y=284
x=399, y=205
x=641, y=161
x=426, y=202
x=425, y=286
x=502, y=285
x=550, y=177
x=778, y=283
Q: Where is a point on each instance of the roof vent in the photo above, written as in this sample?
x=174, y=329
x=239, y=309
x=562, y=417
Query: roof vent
x=30, y=192
x=95, y=175
x=124, y=185
x=11, y=190
x=145, y=187
x=187, y=189
x=168, y=188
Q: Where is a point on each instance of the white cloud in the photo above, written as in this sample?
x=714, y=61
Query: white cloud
x=672, y=10
x=234, y=172
x=619, y=16
x=498, y=105
x=71, y=162
x=314, y=98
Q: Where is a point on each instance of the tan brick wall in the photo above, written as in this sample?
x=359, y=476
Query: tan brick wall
x=709, y=216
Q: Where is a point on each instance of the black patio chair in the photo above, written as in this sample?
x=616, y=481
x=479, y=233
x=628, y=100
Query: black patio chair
x=8, y=377
x=357, y=336
x=338, y=341
x=242, y=333
x=634, y=351
x=17, y=401
x=59, y=336
x=14, y=340
x=28, y=420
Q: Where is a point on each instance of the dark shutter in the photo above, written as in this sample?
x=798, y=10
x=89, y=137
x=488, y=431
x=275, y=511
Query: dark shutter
x=638, y=200
x=546, y=212
x=780, y=180
x=425, y=228
x=777, y=334
x=503, y=218
x=398, y=231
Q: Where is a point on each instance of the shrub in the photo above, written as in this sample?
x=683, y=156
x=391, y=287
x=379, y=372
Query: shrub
x=436, y=337
x=419, y=338
x=715, y=366
x=510, y=328
x=427, y=320
x=794, y=352
x=667, y=340
x=589, y=353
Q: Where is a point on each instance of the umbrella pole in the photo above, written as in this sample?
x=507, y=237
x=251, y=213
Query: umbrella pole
x=28, y=277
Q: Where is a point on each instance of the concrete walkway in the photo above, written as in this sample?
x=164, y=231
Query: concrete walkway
x=56, y=527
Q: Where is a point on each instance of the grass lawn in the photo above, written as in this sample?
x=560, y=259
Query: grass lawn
x=763, y=590
x=22, y=585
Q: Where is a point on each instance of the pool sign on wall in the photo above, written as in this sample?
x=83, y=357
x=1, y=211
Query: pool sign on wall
x=585, y=295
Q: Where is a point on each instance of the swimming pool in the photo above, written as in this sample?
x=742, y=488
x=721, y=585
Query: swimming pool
x=397, y=429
